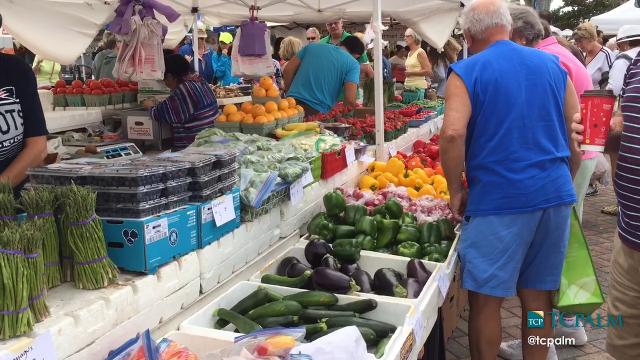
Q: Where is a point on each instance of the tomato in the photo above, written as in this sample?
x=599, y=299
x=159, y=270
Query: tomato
x=108, y=83
x=78, y=91
x=61, y=90
x=76, y=84
x=95, y=85
x=54, y=91
x=86, y=91
x=97, y=92
x=60, y=84
x=122, y=83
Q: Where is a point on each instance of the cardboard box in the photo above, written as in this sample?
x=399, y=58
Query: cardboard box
x=362, y=112
x=143, y=245
x=209, y=232
x=451, y=308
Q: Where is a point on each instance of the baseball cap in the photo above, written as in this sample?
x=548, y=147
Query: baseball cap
x=628, y=32
x=226, y=38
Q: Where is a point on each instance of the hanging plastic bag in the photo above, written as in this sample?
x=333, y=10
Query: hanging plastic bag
x=125, y=62
x=141, y=347
x=580, y=290
x=252, y=41
x=249, y=66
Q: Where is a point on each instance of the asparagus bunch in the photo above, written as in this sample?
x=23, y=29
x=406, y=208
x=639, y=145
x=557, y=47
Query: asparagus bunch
x=15, y=316
x=66, y=256
x=31, y=239
x=7, y=210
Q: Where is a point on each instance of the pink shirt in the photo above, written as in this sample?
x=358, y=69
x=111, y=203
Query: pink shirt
x=577, y=71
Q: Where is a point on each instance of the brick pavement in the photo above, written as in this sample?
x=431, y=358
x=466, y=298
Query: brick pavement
x=599, y=230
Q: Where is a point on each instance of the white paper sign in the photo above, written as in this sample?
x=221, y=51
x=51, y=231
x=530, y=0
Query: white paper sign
x=223, y=210
x=296, y=192
x=367, y=159
x=392, y=150
x=351, y=154
x=443, y=284
x=418, y=327
x=307, y=178
x=40, y=348
x=155, y=231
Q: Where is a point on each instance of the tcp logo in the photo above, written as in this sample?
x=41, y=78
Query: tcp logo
x=535, y=319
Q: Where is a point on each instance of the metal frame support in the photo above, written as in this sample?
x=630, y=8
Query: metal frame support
x=195, y=40
x=381, y=154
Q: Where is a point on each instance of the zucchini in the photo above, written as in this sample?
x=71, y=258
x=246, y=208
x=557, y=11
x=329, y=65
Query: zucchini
x=316, y=307
x=276, y=308
x=358, y=306
x=381, y=329
x=296, y=282
x=277, y=321
x=382, y=345
x=272, y=295
x=368, y=335
x=257, y=298
x=313, y=329
x=243, y=324
x=307, y=314
x=313, y=298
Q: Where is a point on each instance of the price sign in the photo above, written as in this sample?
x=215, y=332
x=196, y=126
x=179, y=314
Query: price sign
x=296, y=192
x=392, y=150
x=367, y=159
x=351, y=154
x=223, y=210
x=443, y=284
x=307, y=178
x=40, y=348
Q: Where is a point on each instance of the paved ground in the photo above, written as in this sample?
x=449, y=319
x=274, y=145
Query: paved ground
x=599, y=230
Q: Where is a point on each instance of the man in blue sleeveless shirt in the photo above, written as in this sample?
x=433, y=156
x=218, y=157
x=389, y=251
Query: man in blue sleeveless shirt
x=508, y=127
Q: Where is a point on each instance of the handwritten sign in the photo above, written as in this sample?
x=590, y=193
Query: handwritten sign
x=296, y=192
x=40, y=348
x=392, y=150
x=223, y=210
x=350, y=152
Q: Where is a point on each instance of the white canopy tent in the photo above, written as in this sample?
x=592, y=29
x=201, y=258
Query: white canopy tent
x=625, y=14
x=61, y=30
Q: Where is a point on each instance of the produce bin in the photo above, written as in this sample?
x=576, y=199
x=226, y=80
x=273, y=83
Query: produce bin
x=227, y=126
x=392, y=312
x=333, y=162
x=75, y=100
x=259, y=129
x=276, y=198
x=316, y=168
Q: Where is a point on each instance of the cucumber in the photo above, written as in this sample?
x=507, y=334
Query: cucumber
x=382, y=345
x=243, y=324
x=277, y=321
x=276, y=308
x=307, y=314
x=296, y=282
x=313, y=298
x=358, y=306
x=313, y=329
x=316, y=307
x=381, y=329
x=368, y=335
x=257, y=298
x=272, y=295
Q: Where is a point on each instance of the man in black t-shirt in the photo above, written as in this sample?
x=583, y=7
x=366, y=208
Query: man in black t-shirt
x=23, y=131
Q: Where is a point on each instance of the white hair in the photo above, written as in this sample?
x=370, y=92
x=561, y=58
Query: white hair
x=313, y=30
x=526, y=24
x=416, y=38
x=480, y=16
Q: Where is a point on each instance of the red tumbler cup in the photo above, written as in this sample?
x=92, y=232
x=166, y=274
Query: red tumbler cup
x=596, y=108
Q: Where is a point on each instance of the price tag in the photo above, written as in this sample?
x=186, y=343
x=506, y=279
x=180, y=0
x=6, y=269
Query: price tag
x=307, y=178
x=296, y=192
x=40, y=348
x=392, y=150
x=223, y=210
x=418, y=327
x=367, y=159
x=443, y=284
x=155, y=231
x=351, y=154
x=207, y=213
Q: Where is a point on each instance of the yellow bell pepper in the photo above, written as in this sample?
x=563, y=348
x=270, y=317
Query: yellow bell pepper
x=377, y=166
x=395, y=167
x=419, y=184
x=427, y=190
x=392, y=179
x=367, y=183
x=439, y=183
x=382, y=182
x=413, y=193
x=419, y=172
x=376, y=174
x=407, y=179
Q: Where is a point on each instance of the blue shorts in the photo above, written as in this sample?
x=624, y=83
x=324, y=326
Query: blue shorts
x=502, y=253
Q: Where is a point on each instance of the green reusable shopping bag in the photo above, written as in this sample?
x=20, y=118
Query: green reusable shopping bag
x=580, y=290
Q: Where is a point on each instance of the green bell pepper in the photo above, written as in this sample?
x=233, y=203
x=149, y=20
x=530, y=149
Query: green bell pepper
x=366, y=242
x=334, y=203
x=380, y=210
x=394, y=209
x=408, y=218
x=446, y=229
x=410, y=249
x=367, y=225
x=408, y=233
x=353, y=213
x=346, y=250
x=428, y=249
x=321, y=226
x=446, y=247
x=425, y=232
x=434, y=258
x=344, y=232
x=436, y=235
x=387, y=232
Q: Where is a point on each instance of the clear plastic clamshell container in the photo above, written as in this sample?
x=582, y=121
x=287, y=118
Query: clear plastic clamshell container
x=228, y=185
x=206, y=195
x=229, y=172
x=199, y=164
x=128, y=195
x=201, y=183
x=126, y=175
x=177, y=201
x=171, y=169
x=132, y=210
x=176, y=187
x=59, y=174
x=225, y=159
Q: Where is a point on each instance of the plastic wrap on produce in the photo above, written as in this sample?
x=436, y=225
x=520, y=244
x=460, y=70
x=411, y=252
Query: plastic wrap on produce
x=291, y=171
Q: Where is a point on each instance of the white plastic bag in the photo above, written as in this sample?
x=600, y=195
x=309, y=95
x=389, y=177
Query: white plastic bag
x=249, y=66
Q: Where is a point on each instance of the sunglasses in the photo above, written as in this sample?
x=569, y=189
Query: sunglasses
x=311, y=38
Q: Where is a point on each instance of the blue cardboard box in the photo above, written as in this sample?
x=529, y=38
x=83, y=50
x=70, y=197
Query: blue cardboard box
x=209, y=230
x=143, y=245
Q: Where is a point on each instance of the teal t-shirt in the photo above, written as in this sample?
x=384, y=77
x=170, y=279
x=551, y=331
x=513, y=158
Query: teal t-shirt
x=323, y=71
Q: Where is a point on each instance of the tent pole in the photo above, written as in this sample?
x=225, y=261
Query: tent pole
x=194, y=41
x=381, y=155
x=465, y=49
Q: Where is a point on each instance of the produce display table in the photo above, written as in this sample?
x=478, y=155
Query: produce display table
x=60, y=121
x=235, y=100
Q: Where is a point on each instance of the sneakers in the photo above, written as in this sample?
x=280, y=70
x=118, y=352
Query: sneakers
x=572, y=332
x=512, y=350
x=592, y=190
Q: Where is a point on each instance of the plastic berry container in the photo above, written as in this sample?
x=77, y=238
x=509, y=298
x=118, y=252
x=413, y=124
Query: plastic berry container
x=206, y=195
x=176, y=187
x=133, y=210
x=229, y=172
x=225, y=159
x=228, y=185
x=204, y=182
x=177, y=201
x=128, y=176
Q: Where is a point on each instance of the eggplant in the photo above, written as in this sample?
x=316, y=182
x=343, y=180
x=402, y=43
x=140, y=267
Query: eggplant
x=328, y=261
x=417, y=270
x=326, y=279
x=296, y=269
x=363, y=280
x=315, y=251
x=348, y=269
x=387, y=282
x=413, y=287
x=284, y=265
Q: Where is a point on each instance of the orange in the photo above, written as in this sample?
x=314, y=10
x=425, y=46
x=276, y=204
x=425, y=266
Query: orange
x=292, y=102
x=235, y=117
x=283, y=104
x=273, y=93
x=270, y=106
x=258, y=110
x=247, y=119
x=246, y=106
x=222, y=118
x=291, y=112
x=276, y=115
x=259, y=92
x=266, y=82
x=300, y=109
x=270, y=118
x=260, y=119
x=229, y=109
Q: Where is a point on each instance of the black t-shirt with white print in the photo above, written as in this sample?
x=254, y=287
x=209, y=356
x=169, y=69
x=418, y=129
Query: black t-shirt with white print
x=21, y=113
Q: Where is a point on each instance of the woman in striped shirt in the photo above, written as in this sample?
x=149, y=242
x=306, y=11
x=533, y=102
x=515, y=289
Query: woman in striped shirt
x=191, y=106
